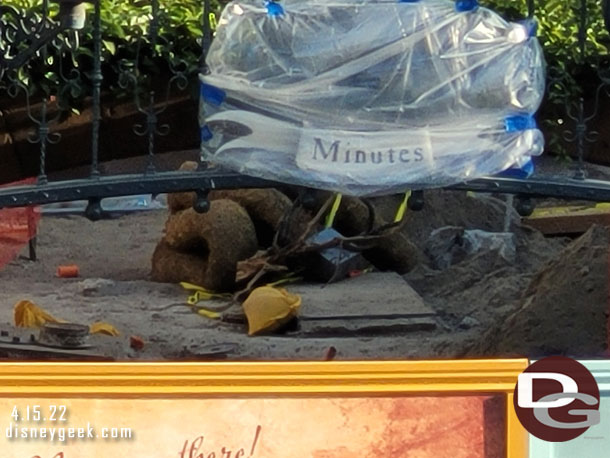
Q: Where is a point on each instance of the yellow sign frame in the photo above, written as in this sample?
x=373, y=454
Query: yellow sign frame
x=169, y=380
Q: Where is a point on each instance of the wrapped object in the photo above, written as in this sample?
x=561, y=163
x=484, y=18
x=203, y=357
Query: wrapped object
x=370, y=97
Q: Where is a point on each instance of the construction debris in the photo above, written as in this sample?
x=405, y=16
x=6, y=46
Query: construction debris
x=69, y=271
x=137, y=343
x=450, y=245
x=268, y=309
x=569, y=219
x=334, y=263
x=262, y=233
x=29, y=315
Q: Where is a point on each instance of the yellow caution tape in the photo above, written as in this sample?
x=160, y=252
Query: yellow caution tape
x=330, y=219
x=400, y=213
x=207, y=313
x=213, y=21
x=202, y=294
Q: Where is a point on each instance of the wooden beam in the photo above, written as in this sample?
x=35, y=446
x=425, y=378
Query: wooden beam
x=569, y=220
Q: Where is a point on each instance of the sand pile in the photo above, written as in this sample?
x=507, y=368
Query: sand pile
x=564, y=309
x=476, y=288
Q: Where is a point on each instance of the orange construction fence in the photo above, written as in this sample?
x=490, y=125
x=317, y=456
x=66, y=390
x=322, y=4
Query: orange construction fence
x=17, y=227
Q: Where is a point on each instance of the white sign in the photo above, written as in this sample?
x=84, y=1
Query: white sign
x=364, y=154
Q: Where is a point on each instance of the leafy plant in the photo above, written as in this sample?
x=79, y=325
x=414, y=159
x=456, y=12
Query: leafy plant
x=127, y=39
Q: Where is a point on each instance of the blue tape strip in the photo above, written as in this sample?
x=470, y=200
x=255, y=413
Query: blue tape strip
x=519, y=122
x=212, y=94
x=531, y=25
x=466, y=5
x=519, y=172
x=409, y=1
x=274, y=9
x=206, y=134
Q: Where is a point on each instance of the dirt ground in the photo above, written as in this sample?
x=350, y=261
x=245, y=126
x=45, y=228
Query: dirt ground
x=484, y=303
x=550, y=297
x=114, y=257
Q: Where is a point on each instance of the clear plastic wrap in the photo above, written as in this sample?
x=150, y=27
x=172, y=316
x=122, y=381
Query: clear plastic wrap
x=370, y=97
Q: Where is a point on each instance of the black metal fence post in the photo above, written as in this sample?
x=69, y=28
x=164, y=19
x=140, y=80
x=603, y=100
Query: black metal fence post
x=96, y=80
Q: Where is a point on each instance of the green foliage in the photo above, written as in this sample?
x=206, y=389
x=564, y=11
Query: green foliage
x=559, y=22
x=126, y=32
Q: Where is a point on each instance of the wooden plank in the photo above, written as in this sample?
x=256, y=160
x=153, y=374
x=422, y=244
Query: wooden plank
x=569, y=219
x=377, y=303
x=374, y=303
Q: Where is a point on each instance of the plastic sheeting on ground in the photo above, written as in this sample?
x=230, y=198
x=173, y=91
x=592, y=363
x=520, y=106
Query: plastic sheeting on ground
x=17, y=228
x=370, y=97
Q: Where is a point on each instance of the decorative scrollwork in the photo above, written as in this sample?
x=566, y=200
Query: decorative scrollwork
x=132, y=78
x=577, y=110
x=23, y=34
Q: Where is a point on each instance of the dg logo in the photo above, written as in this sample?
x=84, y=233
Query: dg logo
x=557, y=399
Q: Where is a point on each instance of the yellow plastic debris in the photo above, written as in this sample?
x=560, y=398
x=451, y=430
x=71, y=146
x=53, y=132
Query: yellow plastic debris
x=330, y=218
x=29, y=315
x=103, y=328
x=267, y=308
x=207, y=313
x=402, y=208
x=202, y=294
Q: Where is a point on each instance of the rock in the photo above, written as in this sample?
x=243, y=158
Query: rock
x=468, y=323
x=97, y=287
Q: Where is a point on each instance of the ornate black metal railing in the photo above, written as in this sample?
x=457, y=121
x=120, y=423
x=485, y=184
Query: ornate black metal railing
x=24, y=35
